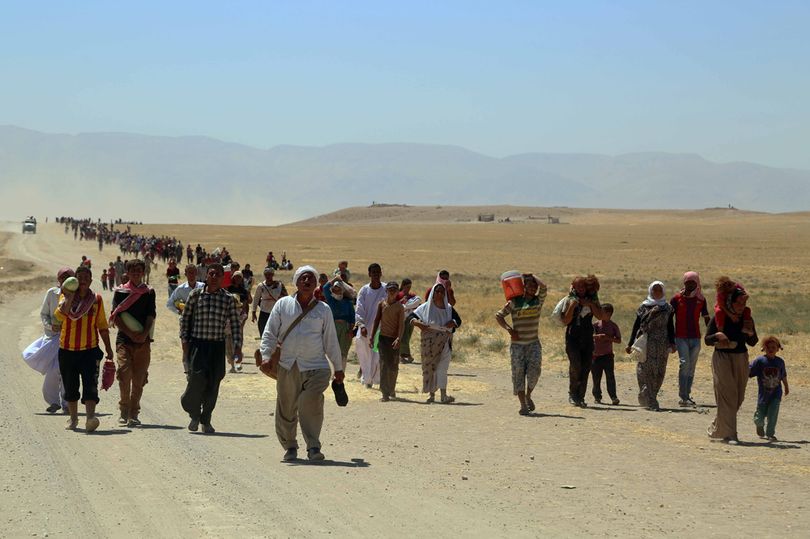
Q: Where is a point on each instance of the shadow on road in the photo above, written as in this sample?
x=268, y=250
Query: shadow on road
x=353, y=463
x=229, y=435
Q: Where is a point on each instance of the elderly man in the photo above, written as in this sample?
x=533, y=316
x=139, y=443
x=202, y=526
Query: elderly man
x=202, y=330
x=303, y=370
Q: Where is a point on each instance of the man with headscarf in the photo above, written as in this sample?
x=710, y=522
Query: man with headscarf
x=307, y=350
x=42, y=354
x=368, y=300
x=133, y=343
x=689, y=306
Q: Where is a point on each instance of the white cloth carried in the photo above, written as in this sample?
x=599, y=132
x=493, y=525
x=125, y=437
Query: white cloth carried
x=41, y=354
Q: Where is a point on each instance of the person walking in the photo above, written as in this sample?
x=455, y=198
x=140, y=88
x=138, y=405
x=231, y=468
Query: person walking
x=653, y=319
x=390, y=320
x=43, y=354
x=133, y=344
x=525, y=350
x=268, y=292
x=83, y=320
x=578, y=310
x=177, y=301
x=410, y=301
x=202, y=330
x=688, y=306
x=307, y=350
x=730, y=367
x=436, y=319
x=368, y=300
x=339, y=300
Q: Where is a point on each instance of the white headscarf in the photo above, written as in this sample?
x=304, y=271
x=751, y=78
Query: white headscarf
x=429, y=313
x=302, y=270
x=650, y=301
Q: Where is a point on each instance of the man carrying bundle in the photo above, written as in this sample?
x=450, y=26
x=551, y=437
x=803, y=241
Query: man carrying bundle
x=133, y=313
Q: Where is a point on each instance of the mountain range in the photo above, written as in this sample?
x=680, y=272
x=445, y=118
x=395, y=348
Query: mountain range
x=204, y=180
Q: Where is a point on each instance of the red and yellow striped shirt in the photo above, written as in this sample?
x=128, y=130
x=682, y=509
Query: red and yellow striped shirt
x=82, y=334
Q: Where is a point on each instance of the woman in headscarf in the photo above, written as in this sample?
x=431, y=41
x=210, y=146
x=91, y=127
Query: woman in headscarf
x=653, y=319
x=689, y=306
x=437, y=320
x=730, y=368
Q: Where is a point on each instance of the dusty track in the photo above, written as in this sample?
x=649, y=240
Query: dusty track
x=398, y=469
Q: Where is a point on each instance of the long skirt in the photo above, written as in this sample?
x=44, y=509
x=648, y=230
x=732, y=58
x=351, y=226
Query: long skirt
x=730, y=375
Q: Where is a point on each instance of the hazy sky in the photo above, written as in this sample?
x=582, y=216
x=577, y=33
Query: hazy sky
x=727, y=79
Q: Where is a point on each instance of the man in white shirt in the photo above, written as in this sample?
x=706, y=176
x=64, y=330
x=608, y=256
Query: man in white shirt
x=180, y=295
x=304, y=368
x=267, y=293
x=368, y=299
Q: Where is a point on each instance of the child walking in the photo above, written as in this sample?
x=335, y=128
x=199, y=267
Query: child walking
x=391, y=322
x=771, y=375
x=605, y=333
x=104, y=279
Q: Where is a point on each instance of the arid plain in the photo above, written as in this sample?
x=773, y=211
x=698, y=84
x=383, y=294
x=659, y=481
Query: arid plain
x=404, y=468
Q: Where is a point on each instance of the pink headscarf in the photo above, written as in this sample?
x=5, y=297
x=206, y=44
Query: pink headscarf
x=698, y=292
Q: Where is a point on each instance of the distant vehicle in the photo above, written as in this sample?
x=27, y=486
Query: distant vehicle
x=30, y=225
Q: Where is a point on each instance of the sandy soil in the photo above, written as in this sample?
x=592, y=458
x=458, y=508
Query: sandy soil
x=398, y=469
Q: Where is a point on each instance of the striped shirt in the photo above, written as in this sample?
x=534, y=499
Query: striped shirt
x=82, y=334
x=206, y=314
x=525, y=316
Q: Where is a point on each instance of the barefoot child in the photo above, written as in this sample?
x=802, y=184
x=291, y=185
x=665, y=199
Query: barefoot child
x=722, y=308
x=390, y=320
x=605, y=333
x=771, y=375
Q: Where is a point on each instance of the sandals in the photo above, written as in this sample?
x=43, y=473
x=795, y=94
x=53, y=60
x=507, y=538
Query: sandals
x=530, y=405
x=448, y=399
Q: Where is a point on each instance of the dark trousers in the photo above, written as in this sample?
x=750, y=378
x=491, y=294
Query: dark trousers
x=389, y=366
x=206, y=371
x=76, y=366
x=579, y=355
x=603, y=364
x=263, y=318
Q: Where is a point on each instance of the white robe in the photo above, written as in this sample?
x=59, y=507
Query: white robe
x=368, y=300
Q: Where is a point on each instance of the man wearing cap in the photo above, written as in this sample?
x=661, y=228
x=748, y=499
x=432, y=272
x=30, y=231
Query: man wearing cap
x=304, y=368
x=267, y=294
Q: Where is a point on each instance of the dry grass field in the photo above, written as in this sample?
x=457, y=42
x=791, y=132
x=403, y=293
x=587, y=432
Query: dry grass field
x=626, y=250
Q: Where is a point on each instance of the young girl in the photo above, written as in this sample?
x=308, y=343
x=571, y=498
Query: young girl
x=722, y=308
x=771, y=375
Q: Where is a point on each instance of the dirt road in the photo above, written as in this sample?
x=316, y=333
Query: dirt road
x=400, y=469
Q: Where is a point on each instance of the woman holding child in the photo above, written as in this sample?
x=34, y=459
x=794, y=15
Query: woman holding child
x=730, y=365
x=653, y=319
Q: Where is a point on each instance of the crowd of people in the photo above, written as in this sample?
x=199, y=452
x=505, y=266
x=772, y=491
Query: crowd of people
x=306, y=336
